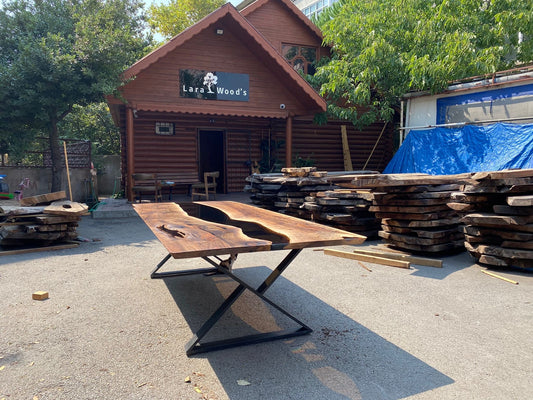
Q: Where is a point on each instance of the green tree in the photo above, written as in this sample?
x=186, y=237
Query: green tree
x=94, y=123
x=382, y=49
x=55, y=54
x=170, y=19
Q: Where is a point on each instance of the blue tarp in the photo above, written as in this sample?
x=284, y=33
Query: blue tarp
x=445, y=151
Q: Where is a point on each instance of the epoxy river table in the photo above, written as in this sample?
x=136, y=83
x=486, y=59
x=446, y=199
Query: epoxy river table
x=209, y=229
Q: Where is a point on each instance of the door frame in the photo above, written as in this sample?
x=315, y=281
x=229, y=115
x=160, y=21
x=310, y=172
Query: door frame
x=222, y=178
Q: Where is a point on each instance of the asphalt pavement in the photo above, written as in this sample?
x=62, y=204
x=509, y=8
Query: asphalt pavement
x=108, y=331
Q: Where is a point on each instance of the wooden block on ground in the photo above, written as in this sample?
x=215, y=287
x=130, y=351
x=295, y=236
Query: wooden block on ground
x=40, y=295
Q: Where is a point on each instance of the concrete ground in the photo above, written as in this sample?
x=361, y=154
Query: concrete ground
x=110, y=332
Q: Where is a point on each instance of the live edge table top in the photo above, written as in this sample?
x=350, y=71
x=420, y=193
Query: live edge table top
x=208, y=228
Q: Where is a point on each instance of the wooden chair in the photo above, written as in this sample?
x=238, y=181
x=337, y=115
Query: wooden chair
x=209, y=185
x=144, y=183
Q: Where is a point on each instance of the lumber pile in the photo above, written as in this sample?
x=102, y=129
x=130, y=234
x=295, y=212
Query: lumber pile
x=413, y=210
x=347, y=209
x=497, y=213
x=316, y=195
x=39, y=226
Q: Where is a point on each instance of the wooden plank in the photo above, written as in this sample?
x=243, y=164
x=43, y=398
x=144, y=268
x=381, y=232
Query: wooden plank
x=37, y=249
x=409, y=209
x=297, y=172
x=461, y=197
x=395, y=237
x=495, y=261
x=421, y=224
x=517, y=245
x=346, y=194
x=411, y=201
x=381, y=198
x=424, y=233
x=66, y=208
x=500, y=251
x=333, y=201
x=463, y=206
x=43, y=198
x=300, y=233
x=503, y=174
x=395, y=180
x=429, y=262
x=500, y=188
x=417, y=217
x=13, y=234
x=503, y=234
x=520, y=201
x=367, y=258
x=346, y=150
x=56, y=219
x=499, y=277
x=438, y=248
x=17, y=210
x=496, y=220
x=504, y=209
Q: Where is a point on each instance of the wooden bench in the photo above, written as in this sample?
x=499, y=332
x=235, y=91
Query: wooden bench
x=171, y=180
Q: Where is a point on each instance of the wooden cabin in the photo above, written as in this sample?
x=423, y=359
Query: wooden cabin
x=225, y=95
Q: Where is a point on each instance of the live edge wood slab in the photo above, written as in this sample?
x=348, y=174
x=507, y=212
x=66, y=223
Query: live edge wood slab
x=186, y=236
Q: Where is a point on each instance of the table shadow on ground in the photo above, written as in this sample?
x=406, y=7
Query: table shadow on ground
x=341, y=359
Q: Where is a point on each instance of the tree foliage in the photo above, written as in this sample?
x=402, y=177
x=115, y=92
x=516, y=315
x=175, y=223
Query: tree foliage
x=170, y=19
x=94, y=123
x=55, y=54
x=382, y=49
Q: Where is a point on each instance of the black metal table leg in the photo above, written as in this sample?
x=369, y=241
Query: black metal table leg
x=194, y=346
x=169, y=274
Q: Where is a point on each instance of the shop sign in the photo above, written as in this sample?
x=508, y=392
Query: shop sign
x=208, y=85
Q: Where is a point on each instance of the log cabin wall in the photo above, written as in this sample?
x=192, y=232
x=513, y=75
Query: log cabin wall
x=280, y=26
x=323, y=144
x=179, y=152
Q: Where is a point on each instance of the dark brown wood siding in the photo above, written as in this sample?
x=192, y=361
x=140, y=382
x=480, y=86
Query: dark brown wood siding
x=179, y=153
x=158, y=87
x=323, y=144
x=160, y=154
x=279, y=26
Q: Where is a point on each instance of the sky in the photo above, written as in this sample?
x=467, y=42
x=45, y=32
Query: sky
x=148, y=2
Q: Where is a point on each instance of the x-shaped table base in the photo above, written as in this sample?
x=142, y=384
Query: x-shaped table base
x=195, y=345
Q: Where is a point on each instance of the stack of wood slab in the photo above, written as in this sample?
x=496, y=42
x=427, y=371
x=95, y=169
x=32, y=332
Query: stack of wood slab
x=40, y=225
x=286, y=190
x=347, y=209
x=316, y=195
x=413, y=210
x=497, y=213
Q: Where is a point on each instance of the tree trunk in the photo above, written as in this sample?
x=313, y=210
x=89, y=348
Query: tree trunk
x=55, y=152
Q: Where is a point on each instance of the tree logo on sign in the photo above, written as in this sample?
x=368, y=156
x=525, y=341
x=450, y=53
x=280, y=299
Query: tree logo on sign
x=210, y=79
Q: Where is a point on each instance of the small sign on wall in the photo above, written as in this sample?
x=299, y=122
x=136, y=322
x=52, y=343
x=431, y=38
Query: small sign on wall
x=207, y=85
x=164, y=128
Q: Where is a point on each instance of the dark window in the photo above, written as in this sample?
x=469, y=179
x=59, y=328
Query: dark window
x=302, y=58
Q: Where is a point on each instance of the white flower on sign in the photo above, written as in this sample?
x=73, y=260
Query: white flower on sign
x=209, y=80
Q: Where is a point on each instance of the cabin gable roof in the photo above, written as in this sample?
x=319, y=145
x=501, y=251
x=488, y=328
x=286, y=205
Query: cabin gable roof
x=242, y=30
x=253, y=8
